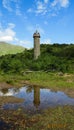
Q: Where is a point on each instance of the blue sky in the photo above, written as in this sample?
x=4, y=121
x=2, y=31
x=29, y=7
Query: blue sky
x=19, y=19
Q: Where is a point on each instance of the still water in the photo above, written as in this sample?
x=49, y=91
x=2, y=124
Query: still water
x=36, y=98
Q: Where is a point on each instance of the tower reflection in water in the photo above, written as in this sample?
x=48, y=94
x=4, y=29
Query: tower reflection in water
x=36, y=96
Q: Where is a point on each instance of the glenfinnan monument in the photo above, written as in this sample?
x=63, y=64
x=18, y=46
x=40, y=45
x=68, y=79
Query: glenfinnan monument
x=36, y=37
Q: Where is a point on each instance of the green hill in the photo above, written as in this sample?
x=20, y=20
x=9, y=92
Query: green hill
x=6, y=48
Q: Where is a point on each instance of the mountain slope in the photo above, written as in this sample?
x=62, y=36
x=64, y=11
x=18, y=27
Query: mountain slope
x=6, y=48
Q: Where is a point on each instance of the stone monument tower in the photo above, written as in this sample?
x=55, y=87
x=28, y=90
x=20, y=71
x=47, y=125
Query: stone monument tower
x=36, y=37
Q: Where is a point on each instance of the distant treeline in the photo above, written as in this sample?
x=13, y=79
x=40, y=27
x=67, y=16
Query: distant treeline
x=54, y=57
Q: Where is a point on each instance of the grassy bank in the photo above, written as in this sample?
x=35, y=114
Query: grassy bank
x=51, y=80
x=44, y=79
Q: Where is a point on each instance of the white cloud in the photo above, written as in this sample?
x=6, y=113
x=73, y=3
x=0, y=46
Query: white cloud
x=6, y=38
x=46, y=41
x=54, y=3
x=30, y=10
x=41, y=8
x=62, y=3
x=54, y=14
x=46, y=1
x=7, y=34
x=18, y=12
x=11, y=25
x=7, y=4
x=25, y=43
x=48, y=7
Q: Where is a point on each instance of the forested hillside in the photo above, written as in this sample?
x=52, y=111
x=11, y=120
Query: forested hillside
x=55, y=57
x=6, y=48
